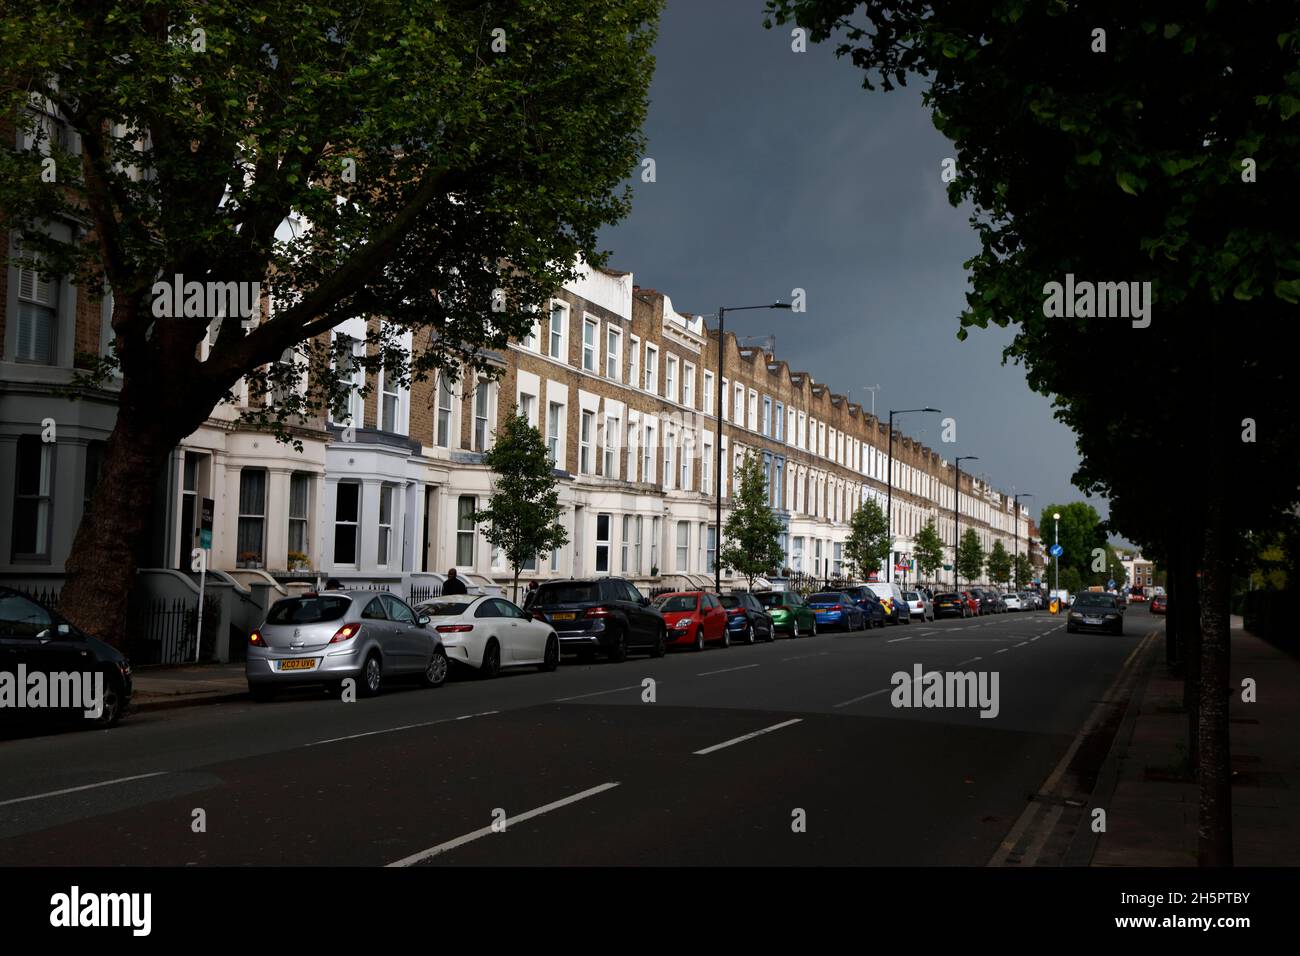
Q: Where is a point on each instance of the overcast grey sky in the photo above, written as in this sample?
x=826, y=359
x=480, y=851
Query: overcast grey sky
x=776, y=170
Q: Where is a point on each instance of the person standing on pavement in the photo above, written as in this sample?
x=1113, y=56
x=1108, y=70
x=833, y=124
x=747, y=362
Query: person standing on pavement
x=530, y=595
x=453, y=584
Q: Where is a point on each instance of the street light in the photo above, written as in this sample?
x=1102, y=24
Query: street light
x=717, y=472
x=1056, y=558
x=956, y=513
x=889, y=481
x=1015, y=559
x=872, y=389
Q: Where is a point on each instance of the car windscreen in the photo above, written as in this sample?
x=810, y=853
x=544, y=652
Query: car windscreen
x=881, y=590
x=825, y=598
x=309, y=610
x=451, y=607
x=677, y=603
x=729, y=601
x=911, y=596
x=770, y=599
x=1091, y=599
x=567, y=593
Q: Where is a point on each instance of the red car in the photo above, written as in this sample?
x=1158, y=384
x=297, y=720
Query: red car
x=694, y=618
x=1159, y=604
x=972, y=603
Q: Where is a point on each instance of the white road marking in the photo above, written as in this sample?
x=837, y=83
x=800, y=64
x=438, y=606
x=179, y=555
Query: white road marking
x=804, y=657
x=598, y=693
x=969, y=660
x=897, y=639
x=727, y=670
x=390, y=730
x=1022, y=644
x=89, y=786
x=874, y=693
x=1002, y=650
x=738, y=740
x=484, y=831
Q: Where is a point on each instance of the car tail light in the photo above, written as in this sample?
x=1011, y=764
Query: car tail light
x=598, y=612
x=255, y=639
x=835, y=607
x=454, y=628
x=735, y=612
x=345, y=633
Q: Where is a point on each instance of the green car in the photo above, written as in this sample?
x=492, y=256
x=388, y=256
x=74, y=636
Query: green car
x=790, y=615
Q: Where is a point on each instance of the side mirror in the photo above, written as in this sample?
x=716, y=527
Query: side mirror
x=424, y=620
x=644, y=602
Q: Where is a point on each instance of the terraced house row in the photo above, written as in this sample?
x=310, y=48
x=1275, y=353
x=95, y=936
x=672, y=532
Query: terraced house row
x=620, y=384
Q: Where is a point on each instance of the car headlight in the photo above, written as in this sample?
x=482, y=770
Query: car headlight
x=683, y=624
x=1076, y=616
x=1111, y=617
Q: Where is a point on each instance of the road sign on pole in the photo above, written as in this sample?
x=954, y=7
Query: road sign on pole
x=1111, y=584
x=1056, y=551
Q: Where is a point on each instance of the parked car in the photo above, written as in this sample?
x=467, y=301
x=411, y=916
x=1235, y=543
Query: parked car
x=1095, y=611
x=489, y=633
x=42, y=641
x=1159, y=604
x=747, y=619
x=694, y=618
x=606, y=615
x=919, y=605
x=327, y=638
x=988, y=603
x=1012, y=600
x=790, y=612
x=837, y=609
x=891, y=598
x=972, y=603
x=950, y=604
x=872, y=609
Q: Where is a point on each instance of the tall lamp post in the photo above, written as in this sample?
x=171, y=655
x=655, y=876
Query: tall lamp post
x=956, y=514
x=1056, y=558
x=889, y=482
x=1015, y=520
x=717, y=471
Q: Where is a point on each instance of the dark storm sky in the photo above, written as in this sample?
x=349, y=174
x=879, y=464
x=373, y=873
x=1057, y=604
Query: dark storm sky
x=776, y=170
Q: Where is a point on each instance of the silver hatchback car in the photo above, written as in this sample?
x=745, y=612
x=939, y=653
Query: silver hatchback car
x=327, y=637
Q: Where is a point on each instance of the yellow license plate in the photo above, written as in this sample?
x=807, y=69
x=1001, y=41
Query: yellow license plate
x=566, y=616
x=298, y=664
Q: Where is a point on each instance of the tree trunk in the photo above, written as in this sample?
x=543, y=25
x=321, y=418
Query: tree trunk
x=1214, y=753
x=514, y=591
x=1174, y=658
x=101, y=568
x=1188, y=610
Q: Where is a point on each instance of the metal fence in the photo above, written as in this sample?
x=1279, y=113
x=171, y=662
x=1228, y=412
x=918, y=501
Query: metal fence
x=419, y=593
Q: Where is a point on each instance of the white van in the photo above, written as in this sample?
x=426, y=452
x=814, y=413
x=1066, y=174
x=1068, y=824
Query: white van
x=891, y=596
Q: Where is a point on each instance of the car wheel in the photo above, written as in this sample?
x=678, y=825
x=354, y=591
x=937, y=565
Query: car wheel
x=813, y=632
x=699, y=640
x=771, y=632
x=111, y=710
x=261, y=692
x=750, y=636
x=491, y=665
x=550, y=656
x=726, y=636
x=372, y=677
x=435, y=672
x=794, y=628
x=618, y=652
x=660, y=646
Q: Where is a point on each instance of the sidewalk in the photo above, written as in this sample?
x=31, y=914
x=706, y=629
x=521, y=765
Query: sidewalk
x=161, y=687
x=1152, y=814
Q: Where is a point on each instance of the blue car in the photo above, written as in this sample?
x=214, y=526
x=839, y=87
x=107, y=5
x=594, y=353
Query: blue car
x=872, y=609
x=837, y=609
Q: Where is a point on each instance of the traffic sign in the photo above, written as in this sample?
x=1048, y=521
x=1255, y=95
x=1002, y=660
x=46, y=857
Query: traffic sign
x=1056, y=551
x=205, y=523
x=1111, y=583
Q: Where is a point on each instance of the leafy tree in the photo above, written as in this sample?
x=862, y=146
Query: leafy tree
x=1024, y=572
x=970, y=556
x=867, y=547
x=927, y=548
x=1052, y=124
x=1081, y=533
x=752, y=545
x=384, y=162
x=523, y=512
x=999, y=563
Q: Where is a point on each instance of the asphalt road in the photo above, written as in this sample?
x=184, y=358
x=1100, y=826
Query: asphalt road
x=787, y=753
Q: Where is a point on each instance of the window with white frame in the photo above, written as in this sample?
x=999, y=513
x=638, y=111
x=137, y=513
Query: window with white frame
x=446, y=403
x=527, y=409
x=684, y=473
x=683, y=546
x=706, y=468
x=33, y=497
x=559, y=326
x=708, y=392
x=351, y=376
x=626, y=544
x=654, y=545
x=390, y=399
x=634, y=361
x=688, y=384
x=614, y=353
x=726, y=400
x=588, y=423
x=636, y=547
x=38, y=317
x=669, y=440
x=778, y=422
x=670, y=377
x=651, y=368
x=466, y=505
x=347, y=522
x=648, y=455
x=738, y=416
x=385, y=525
x=767, y=416
x=590, y=357
x=554, y=418
x=251, y=541
x=753, y=410
x=602, y=543
x=613, y=429
x=482, y=407
x=532, y=338
x=299, y=511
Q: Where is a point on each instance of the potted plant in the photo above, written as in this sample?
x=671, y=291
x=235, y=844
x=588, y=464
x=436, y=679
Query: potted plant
x=249, y=559
x=299, y=561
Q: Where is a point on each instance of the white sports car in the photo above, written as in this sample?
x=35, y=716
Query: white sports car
x=489, y=633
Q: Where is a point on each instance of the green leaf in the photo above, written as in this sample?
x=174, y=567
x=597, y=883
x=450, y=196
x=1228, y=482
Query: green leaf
x=1089, y=159
x=1127, y=182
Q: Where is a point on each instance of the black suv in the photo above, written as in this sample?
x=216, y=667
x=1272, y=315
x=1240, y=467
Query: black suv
x=40, y=641
x=747, y=619
x=605, y=614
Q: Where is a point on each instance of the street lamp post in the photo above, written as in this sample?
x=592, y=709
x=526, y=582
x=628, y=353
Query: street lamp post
x=1015, y=520
x=872, y=389
x=1056, y=558
x=889, y=482
x=717, y=471
x=956, y=514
